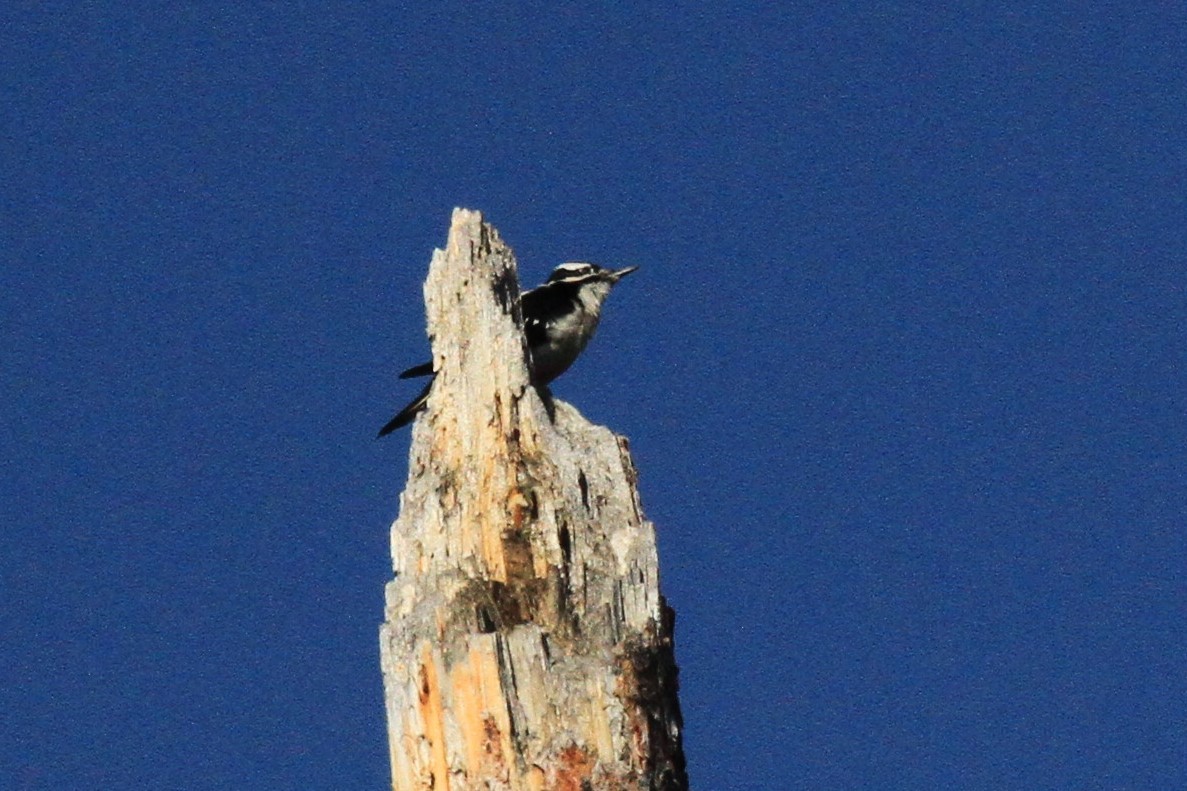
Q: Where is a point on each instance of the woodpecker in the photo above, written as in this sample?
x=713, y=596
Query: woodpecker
x=559, y=318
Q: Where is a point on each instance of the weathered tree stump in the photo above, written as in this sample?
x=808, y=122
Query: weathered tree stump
x=526, y=644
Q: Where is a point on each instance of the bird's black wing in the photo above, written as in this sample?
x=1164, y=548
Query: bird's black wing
x=546, y=300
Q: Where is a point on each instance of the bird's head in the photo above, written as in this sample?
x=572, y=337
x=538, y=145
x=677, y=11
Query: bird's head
x=578, y=272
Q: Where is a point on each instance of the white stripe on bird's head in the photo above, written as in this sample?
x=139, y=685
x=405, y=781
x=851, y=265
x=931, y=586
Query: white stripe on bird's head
x=575, y=271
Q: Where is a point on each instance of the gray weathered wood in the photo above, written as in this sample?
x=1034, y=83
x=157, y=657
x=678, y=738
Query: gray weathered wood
x=526, y=644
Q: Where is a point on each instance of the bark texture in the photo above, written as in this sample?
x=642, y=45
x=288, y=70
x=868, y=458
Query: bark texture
x=526, y=644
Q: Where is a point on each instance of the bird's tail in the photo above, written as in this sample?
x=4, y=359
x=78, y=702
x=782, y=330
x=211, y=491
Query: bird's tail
x=408, y=413
x=424, y=369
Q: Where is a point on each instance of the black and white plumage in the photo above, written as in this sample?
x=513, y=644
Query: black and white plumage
x=559, y=318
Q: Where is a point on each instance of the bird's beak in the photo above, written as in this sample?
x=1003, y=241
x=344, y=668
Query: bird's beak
x=621, y=273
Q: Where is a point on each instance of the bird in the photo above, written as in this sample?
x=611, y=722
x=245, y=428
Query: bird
x=559, y=319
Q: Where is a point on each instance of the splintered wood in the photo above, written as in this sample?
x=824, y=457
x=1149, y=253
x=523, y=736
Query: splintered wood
x=526, y=644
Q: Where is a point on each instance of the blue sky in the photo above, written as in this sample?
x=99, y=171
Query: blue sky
x=902, y=370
